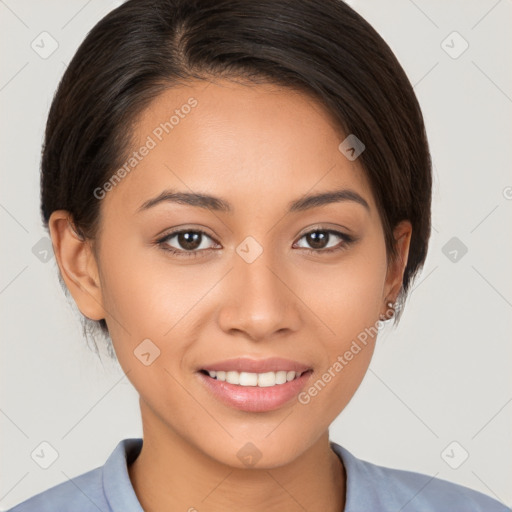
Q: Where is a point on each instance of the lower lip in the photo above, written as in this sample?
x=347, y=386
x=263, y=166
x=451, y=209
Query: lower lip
x=254, y=398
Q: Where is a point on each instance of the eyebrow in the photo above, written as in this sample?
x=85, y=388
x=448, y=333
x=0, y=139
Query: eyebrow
x=218, y=204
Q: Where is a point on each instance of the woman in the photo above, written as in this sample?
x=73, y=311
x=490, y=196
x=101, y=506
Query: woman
x=238, y=196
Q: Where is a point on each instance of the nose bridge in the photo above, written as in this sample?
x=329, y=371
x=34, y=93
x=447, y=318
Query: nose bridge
x=259, y=302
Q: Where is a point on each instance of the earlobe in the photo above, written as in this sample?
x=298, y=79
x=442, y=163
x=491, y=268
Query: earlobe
x=77, y=265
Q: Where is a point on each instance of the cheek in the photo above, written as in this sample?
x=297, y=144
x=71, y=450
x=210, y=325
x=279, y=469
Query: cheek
x=144, y=292
x=346, y=356
x=348, y=302
x=148, y=297
x=346, y=297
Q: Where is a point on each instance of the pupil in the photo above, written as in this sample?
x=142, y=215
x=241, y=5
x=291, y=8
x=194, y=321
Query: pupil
x=189, y=240
x=317, y=239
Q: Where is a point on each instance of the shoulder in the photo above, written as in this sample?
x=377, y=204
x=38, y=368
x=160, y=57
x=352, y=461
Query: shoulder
x=81, y=493
x=104, y=488
x=374, y=487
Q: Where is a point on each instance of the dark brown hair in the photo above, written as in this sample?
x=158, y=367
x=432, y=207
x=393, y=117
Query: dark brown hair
x=322, y=47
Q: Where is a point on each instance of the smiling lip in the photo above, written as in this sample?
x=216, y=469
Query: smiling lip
x=244, y=364
x=255, y=398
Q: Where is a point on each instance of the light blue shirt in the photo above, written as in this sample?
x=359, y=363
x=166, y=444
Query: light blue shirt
x=370, y=488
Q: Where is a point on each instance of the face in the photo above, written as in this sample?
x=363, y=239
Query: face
x=256, y=280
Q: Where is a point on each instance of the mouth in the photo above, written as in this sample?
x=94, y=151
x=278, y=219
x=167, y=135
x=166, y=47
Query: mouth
x=255, y=386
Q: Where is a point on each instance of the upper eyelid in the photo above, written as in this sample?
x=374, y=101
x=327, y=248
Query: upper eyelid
x=185, y=230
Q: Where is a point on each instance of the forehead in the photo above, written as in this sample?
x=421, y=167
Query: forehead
x=255, y=143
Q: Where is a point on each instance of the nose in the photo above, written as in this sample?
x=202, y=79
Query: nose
x=259, y=299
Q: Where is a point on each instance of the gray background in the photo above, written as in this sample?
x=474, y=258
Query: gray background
x=442, y=377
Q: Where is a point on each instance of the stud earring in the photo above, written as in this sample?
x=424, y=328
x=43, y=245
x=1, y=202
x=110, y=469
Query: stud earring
x=390, y=312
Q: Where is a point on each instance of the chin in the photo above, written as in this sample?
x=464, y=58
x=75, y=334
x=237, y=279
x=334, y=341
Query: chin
x=255, y=454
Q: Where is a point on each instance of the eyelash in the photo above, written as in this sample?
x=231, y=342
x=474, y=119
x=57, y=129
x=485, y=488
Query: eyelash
x=346, y=241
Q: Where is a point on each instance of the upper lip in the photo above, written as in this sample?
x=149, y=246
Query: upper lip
x=244, y=364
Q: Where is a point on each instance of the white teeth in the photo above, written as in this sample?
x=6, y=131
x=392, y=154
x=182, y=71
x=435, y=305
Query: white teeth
x=248, y=379
x=266, y=379
x=262, y=380
x=281, y=377
x=233, y=377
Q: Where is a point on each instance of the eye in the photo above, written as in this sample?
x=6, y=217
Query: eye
x=193, y=242
x=319, y=239
x=189, y=242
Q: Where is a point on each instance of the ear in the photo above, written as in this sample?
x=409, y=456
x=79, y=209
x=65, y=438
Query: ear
x=402, y=235
x=77, y=265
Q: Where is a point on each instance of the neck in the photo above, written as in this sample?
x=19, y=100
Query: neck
x=170, y=474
